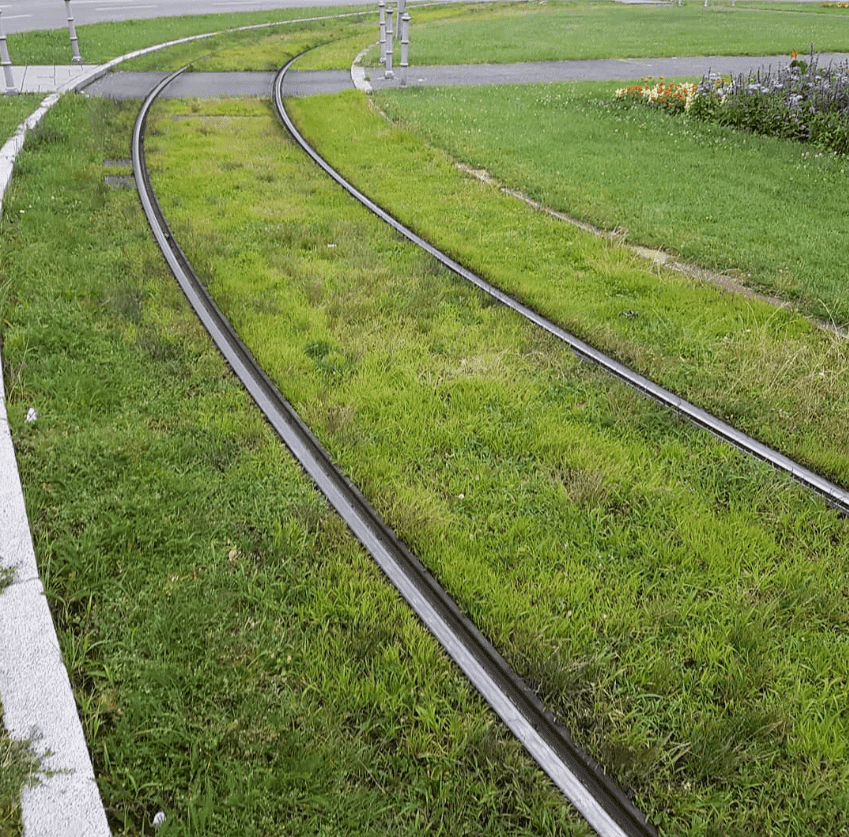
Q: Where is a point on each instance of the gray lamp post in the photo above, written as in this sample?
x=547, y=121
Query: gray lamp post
x=388, y=72
x=77, y=59
x=382, y=18
x=405, y=47
x=11, y=90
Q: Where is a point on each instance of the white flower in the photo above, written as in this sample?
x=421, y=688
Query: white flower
x=32, y=414
x=158, y=818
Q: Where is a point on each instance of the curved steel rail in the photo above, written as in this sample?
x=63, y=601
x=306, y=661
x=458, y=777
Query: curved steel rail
x=601, y=802
x=832, y=493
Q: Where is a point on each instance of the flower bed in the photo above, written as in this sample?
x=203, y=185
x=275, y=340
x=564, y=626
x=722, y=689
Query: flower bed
x=673, y=98
x=796, y=101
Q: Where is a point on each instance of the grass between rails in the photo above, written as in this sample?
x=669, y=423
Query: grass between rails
x=767, y=371
x=678, y=606
x=236, y=660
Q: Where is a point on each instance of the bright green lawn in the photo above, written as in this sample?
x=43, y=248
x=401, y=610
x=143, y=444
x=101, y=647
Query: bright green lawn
x=570, y=29
x=771, y=211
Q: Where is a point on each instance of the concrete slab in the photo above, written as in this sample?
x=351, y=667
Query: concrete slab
x=311, y=83
x=47, y=78
x=123, y=85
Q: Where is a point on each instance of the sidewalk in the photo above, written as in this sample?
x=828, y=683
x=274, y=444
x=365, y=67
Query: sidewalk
x=606, y=69
x=47, y=78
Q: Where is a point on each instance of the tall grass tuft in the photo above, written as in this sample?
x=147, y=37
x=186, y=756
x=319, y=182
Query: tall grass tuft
x=18, y=768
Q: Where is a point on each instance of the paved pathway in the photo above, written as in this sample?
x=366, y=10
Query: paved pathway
x=610, y=69
x=134, y=85
x=46, y=78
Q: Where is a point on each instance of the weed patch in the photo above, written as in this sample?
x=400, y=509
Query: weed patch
x=14, y=110
x=18, y=769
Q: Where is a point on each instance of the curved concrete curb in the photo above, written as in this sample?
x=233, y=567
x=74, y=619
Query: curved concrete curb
x=358, y=74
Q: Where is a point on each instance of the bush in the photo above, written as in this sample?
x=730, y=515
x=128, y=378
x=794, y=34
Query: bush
x=798, y=101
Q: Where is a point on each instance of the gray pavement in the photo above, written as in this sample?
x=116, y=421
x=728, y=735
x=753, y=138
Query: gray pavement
x=136, y=85
x=613, y=69
x=47, y=78
x=130, y=85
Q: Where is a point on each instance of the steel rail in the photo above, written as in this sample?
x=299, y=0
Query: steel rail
x=834, y=495
x=601, y=802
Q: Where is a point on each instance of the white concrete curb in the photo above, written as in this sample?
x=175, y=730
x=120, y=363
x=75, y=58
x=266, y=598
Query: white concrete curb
x=358, y=74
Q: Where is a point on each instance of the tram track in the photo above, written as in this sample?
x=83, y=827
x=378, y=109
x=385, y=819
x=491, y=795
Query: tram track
x=602, y=803
x=835, y=495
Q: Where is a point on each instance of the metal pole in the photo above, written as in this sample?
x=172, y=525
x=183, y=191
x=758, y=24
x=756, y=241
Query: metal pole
x=402, y=7
x=11, y=90
x=405, y=47
x=77, y=59
x=382, y=8
x=387, y=73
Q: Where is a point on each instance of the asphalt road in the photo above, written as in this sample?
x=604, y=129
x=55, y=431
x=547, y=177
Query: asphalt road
x=26, y=15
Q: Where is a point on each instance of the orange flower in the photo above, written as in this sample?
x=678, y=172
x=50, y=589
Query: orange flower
x=794, y=54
